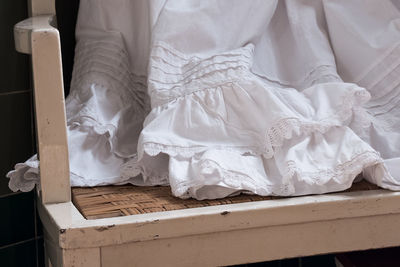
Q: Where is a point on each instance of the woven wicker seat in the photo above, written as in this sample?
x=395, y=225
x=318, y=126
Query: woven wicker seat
x=112, y=201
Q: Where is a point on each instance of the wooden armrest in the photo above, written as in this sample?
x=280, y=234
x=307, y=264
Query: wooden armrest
x=24, y=29
x=38, y=36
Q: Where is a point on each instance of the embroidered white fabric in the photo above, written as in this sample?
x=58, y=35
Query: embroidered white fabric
x=216, y=98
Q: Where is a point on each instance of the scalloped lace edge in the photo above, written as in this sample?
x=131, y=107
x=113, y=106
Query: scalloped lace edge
x=343, y=174
x=285, y=128
x=25, y=176
x=351, y=168
x=281, y=130
x=100, y=130
x=134, y=168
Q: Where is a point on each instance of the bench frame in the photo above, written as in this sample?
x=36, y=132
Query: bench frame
x=207, y=236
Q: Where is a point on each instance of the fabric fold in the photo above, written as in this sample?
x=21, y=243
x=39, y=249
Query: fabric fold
x=300, y=99
x=246, y=122
x=105, y=112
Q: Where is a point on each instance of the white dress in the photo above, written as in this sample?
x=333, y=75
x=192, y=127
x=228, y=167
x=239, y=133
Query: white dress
x=215, y=98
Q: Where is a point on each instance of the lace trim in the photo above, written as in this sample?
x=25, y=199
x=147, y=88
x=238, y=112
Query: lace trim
x=231, y=179
x=339, y=173
x=167, y=82
x=164, y=50
x=215, y=80
x=106, y=130
x=134, y=168
x=285, y=128
x=25, y=176
x=153, y=149
x=194, y=64
x=188, y=78
x=281, y=130
x=343, y=174
x=321, y=72
x=162, y=63
x=185, y=68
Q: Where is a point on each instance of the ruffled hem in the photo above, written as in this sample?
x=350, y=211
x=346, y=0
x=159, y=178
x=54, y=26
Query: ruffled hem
x=25, y=176
x=105, y=113
x=341, y=108
x=240, y=115
x=87, y=168
x=274, y=135
x=225, y=81
x=229, y=182
x=205, y=177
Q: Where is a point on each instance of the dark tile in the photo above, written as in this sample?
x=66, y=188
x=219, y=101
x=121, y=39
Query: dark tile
x=19, y=255
x=266, y=264
x=16, y=137
x=66, y=20
x=387, y=257
x=294, y=262
x=276, y=263
x=38, y=225
x=317, y=261
x=17, y=218
x=4, y=190
x=14, y=67
x=290, y=262
x=39, y=252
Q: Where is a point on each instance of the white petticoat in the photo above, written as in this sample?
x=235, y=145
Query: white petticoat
x=237, y=104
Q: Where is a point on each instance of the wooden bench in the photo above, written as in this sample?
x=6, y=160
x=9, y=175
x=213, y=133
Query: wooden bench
x=158, y=230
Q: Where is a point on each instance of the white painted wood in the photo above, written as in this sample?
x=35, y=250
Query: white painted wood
x=50, y=114
x=203, y=236
x=259, y=244
x=23, y=31
x=41, y=7
x=76, y=232
x=58, y=257
x=87, y=257
x=47, y=262
x=53, y=252
x=38, y=37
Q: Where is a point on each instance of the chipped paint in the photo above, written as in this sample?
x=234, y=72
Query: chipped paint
x=104, y=228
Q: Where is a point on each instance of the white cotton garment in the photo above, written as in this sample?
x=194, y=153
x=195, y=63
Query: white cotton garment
x=216, y=98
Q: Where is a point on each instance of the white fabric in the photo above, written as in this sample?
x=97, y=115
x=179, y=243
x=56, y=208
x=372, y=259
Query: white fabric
x=220, y=97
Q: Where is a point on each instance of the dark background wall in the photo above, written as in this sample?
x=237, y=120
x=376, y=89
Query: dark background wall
x=21, y=239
